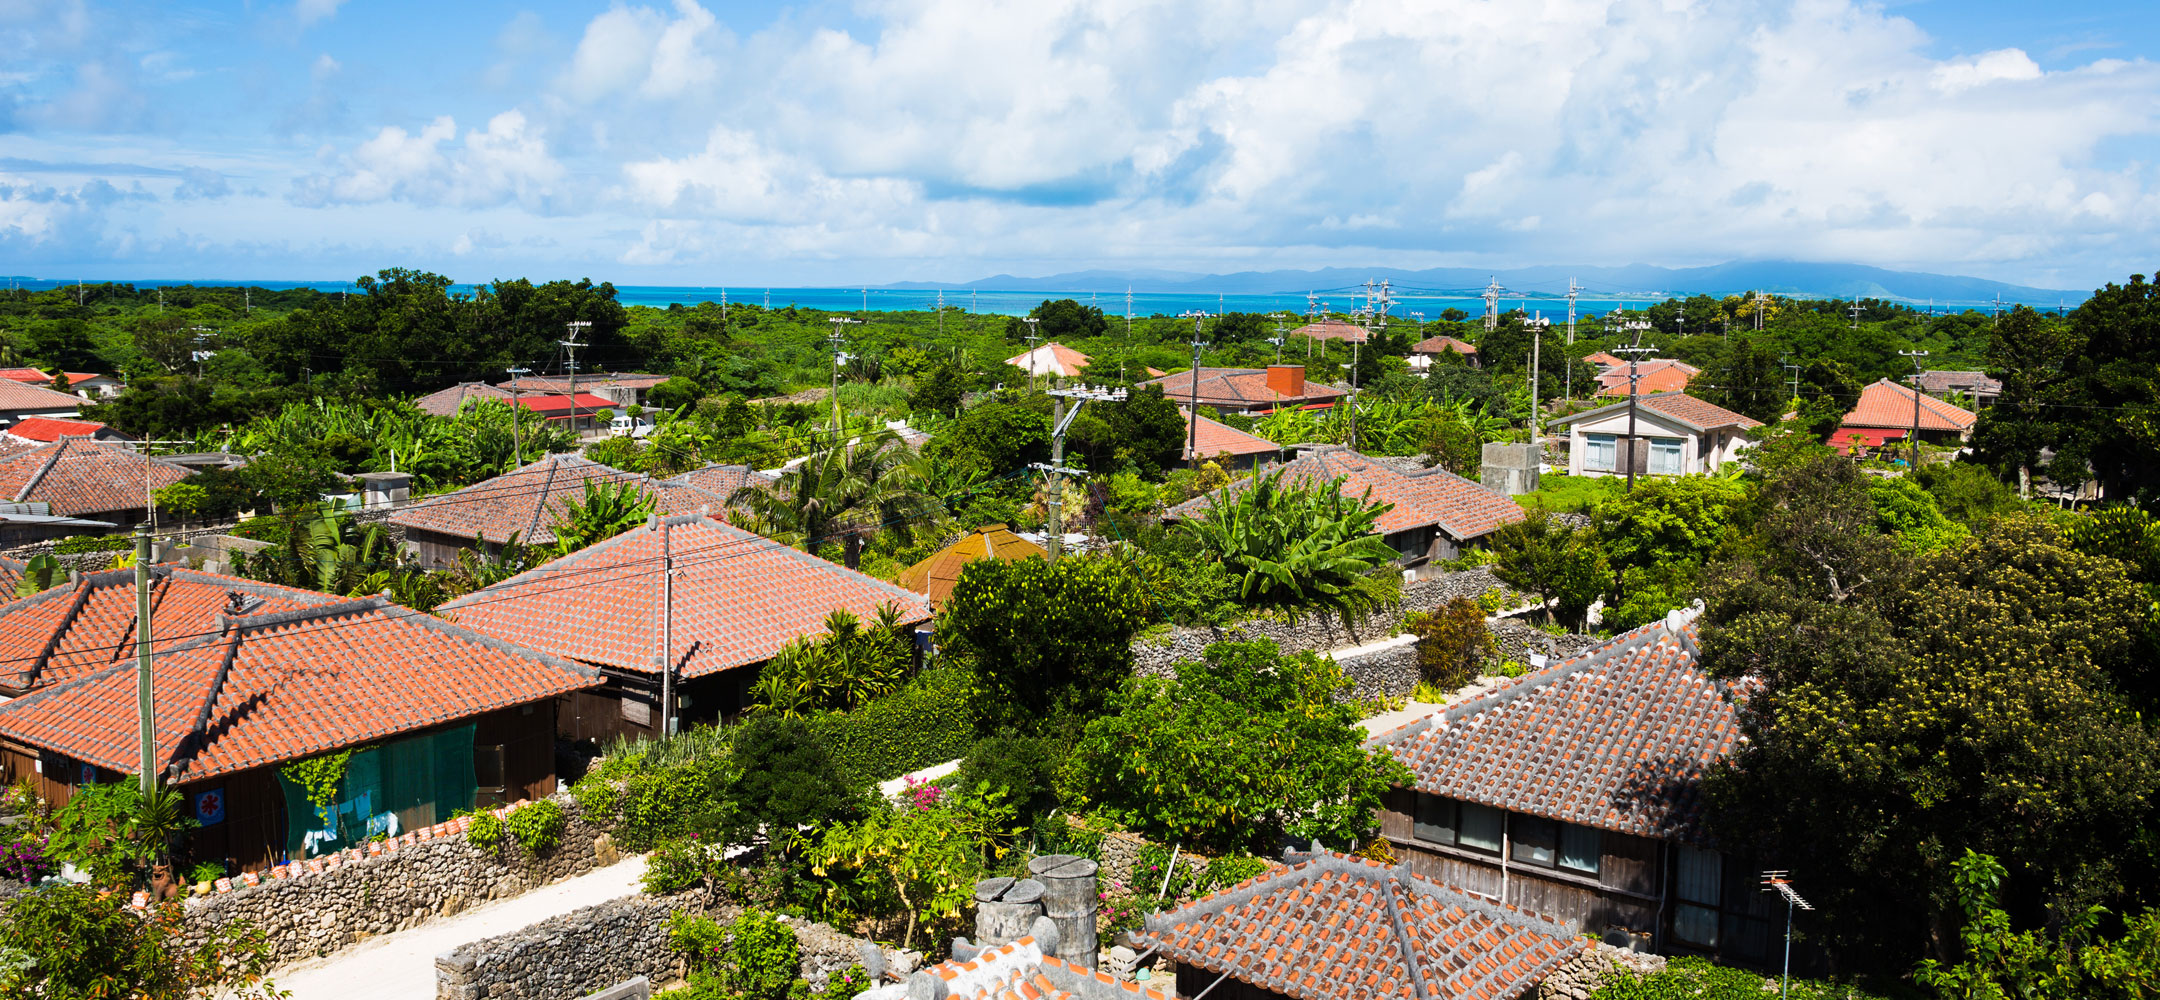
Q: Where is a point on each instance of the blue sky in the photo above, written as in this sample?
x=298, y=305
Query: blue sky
x=678, y=142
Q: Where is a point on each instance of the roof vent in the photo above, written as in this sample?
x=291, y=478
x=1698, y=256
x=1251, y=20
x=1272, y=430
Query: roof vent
x=1676, y=620
x=240, y=602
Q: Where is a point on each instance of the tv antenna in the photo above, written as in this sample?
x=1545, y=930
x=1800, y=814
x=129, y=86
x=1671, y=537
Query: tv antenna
x=1781, y=881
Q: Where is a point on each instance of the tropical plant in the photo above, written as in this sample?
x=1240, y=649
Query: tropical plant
x=606, y=509
x=321, y=549
x=1297, y=547
x=1998, y=963
x=927, y=859
x=41, y=573
x=845, y=495
x=77, y=942
x=1452, y=643
x=840, y=670
x=1044, y=640
x=755, y=957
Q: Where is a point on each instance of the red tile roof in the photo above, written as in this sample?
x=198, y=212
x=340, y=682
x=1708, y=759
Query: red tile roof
x=23, y=397
x=1052, y=358
x=447, y=402
x=1237, y=387
x=1966, y=382
x=268, y=688
x=1654, y=375
x=1332, y=329
x=1603, y=360
x=1699, y=414
x=77, y=628
x=50, y=429
x=935, y=576
x=723, y=480
x=77, y=476
x=1617, y=737
x=11, y=574
x=528, y=502
x=1887, y=404
x=738, y=599
x=1216, y=438
x=1021, y=971
x=1336, y=927
x=1442, y=345
x=1437, y=497
x=32, y=376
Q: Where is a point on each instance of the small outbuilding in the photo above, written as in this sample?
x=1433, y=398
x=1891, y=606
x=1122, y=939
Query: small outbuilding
x=935, y=576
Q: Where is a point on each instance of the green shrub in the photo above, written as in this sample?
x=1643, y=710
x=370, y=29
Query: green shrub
x=928, y=722
x=753, y=958
x=1024, y=766
x=679, y=865
x=663, y=802
x=596, y=798
x=1230, y=869
x=847, y=984
x=93, y=543
x=485, y=832
x=1700, y=979
x=208, y=871
x=537, y=826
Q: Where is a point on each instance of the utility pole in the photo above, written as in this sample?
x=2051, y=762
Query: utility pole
x=1634, y=353
x=145, y=711
x=1915, y=356
x=517, y=412
x=1192, y=434
x=1278, y=338
x=1057, y=470
x=1573, y=290
x=1795, y=370
x=941, y=312
x=1856, y=312
x=576, y=327
x=1781, y=880
x=1492, y=304
x=667, y=630
x=1537, y=340
x=1761, y=301
x=837, y=340
x=723, y=305
x=1031, y=338
x=1127, y=352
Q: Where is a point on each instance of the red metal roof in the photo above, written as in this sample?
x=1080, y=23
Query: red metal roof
x=1051, y=359
x=1436, y=497
x=1884, y=403
x=267, y=688
x=1617, y=737
x=1337, y=927
x=78, y=475
x=49, y=429
x=738, y=599
x=529, y=501
x=586, y=403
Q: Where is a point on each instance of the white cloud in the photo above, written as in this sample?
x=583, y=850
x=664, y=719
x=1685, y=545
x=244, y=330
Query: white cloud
x=508, y=161
x=307, y=12
x=2001, y=64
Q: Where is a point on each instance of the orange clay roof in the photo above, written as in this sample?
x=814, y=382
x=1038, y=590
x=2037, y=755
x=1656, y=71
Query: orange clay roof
x=936, y=575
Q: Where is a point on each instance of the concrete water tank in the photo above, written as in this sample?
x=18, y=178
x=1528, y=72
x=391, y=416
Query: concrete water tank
x=1005, y=908
x=1069, y=900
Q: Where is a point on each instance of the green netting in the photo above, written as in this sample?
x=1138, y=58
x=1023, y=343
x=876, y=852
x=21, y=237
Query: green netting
x=389, y=788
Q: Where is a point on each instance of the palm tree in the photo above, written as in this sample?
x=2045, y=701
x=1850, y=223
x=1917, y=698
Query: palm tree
x=844, y=494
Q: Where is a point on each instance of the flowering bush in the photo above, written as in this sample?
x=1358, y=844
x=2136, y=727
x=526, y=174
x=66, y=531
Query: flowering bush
x=26, y=861
x=922, y=794
x=847, y=984
x=681, y=865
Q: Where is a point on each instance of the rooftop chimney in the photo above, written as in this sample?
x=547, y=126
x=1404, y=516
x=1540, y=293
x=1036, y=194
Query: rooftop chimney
x=1287, y=380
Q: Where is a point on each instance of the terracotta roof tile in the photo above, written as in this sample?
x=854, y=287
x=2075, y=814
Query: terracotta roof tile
x=935, y=576
x=1052, y=358
x=1654, y=375
x=586, y=383
x=1700, y=414
x=1019, y=969
x=274, y=687
x=1617, y=737
x=1442, y=345
x=723, y=480
x=1462, y=508
x=738, y=599
x=529, y=501
x=78, y=476
x=1336, y=927
x=76, y=629
x=1237, y=387
x=447, y=402
x=1884, y=403
x=1216, y=438
x=1332, y=329
x=1941, y=382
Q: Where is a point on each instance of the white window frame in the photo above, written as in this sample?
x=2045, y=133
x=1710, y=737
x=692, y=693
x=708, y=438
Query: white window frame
x=1668, y=456
x=1601, y=446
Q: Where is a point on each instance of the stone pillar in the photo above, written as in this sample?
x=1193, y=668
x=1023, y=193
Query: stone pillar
x=1069, y=900
x=1510, y=468
x=384, y=490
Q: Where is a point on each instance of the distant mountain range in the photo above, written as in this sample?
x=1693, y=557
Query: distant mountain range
x=1779, y=277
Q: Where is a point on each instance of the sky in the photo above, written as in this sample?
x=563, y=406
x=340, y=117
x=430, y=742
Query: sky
x=837, y=143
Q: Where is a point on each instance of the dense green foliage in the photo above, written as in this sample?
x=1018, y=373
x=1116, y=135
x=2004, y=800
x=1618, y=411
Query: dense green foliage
x=781, y=777
x=1297, y=547
x=928, y=721
x=845, y=668
x=1242, y=748
x=1698, y=979
x=1999, y=963
x=754, y=957
x=1044, y=640
x=77, y=942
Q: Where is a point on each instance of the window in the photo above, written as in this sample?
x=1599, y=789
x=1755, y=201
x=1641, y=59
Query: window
x=1535, y=841
x=1667, y=456
x=1580, y=848
x=1435, y=820
x=1601, y=453
x=1479, y=828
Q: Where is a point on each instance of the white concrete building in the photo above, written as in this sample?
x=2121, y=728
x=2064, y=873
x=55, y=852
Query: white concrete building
x=1675, y=435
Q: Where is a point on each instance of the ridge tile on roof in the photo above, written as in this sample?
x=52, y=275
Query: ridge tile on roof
x=1617, y=737
x=1462, y=508
x=79, y=475
x=527, y=502
x=1884, y=403
x=1336, y=927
